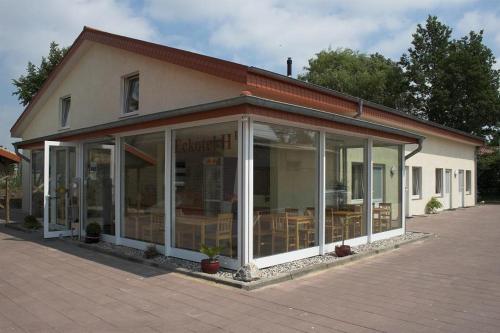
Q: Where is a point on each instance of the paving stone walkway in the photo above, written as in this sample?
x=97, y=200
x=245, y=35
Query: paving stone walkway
x=448, y=283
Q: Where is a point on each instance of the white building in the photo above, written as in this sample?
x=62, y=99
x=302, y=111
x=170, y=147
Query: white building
x=164, y=146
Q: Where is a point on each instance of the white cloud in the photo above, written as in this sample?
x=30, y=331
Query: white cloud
x=478, y=20
x=268, y=31
x=27, y=27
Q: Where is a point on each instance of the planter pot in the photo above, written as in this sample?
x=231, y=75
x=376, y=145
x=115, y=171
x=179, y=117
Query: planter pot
x=342, y=250
x=92, y=239
x=210, y=267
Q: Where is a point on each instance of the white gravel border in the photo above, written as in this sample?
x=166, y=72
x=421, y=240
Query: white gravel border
x=266, y=273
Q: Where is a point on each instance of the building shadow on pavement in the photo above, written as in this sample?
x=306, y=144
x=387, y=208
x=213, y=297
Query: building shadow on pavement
x=71, y=248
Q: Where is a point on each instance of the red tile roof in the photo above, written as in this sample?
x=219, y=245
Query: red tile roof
x=259, y=82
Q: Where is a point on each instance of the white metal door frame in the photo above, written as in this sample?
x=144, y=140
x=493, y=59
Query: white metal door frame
x=46, y=180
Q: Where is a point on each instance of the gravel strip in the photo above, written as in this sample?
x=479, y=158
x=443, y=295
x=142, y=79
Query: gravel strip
x=267, y=272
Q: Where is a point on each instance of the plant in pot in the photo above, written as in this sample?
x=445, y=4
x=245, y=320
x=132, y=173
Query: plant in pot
x=31, y=222
x=210, y=265
x=93, y=233
x=433, y=205
x=343, y=250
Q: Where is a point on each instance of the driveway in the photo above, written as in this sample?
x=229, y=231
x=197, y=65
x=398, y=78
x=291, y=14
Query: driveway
x=448, y=283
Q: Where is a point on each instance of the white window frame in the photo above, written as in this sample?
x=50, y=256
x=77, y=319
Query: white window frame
x=419, y=173
x=382, y=167
x=124, y=96
x=62, y=101
x=245, y=194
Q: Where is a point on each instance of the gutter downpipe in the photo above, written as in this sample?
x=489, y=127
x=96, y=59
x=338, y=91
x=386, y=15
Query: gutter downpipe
x=417, y=150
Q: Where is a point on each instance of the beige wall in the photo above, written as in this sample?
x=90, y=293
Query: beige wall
x=95, y=86
x=446, y=154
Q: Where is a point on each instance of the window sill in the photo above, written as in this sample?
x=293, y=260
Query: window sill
x=416, y=198
x=129, y=114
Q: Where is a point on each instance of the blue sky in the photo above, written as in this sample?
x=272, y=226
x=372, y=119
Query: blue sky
x=258, y=33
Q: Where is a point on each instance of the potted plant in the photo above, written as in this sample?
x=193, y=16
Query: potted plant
x=343, y=250
x=210, y=265
x=93, y=233
x=31, y=222
x=433, y=205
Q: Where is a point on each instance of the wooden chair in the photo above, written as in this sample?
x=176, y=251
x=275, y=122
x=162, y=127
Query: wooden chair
x=357, y=220
x=223, y=232
x=263, y=229
x=292, y=211
x=282, y=231
x=184, y=233
x=385, y=215
x=309, y=211
x=333, y=227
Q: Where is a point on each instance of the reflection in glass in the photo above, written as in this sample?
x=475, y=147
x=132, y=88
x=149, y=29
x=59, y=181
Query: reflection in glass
x=344, y=187
x=285, y=188
x=144, y=187
x=63, y=206
x=386, y=187
x=99, y=185
x=37, y=174
x=205, y=200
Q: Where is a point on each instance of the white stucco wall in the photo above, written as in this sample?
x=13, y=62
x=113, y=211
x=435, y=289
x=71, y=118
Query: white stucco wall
x=445, y=154
x=95, y=86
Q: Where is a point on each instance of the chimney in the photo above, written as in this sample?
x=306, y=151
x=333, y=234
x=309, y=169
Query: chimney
x=289, y=67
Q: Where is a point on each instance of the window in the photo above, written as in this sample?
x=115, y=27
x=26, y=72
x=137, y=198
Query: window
x=439, y=181
x=468, y=181
x=386, y=189
x=357, y=177
x=416, y=182
x=206, y=188
x=37, y=173
x=131, y=103
x=378, y=183
x=344, y=191
x=64, y=116
x=289, y=199
x=143, y=170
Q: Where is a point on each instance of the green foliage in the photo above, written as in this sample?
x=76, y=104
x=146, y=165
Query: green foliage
x=28, y=85
x=433, y=205
x=211, y=252
x=93, y=229
x=488, y=176
x=31, y=222
x=372, y=77
x=151, y=252
x=452, y=82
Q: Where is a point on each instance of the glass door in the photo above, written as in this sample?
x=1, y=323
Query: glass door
x=61, y=196
x=98, y=184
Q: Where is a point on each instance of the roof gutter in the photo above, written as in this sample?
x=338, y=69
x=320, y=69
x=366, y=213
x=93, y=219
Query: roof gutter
x=416, y=151
x=235, y=101
x=24, y=157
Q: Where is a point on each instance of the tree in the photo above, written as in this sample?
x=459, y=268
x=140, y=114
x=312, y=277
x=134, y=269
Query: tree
x=451, y=82
x=371, y=77
x=28, y=85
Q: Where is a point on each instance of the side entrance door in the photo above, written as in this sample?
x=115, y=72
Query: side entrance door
x=447, y=203
x=461, y=187
x=61, y=190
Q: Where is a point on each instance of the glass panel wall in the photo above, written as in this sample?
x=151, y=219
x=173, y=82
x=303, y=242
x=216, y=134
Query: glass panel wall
x=37, y=174
x=143, y=174
x=285, y=189
x=386, y=187
x=344, y=187
x=205, y=165
x=99, y=184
